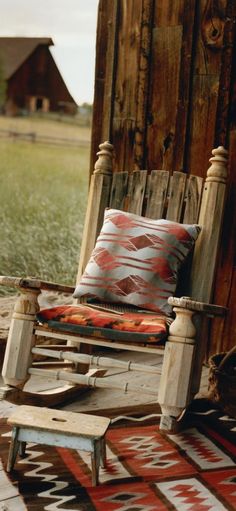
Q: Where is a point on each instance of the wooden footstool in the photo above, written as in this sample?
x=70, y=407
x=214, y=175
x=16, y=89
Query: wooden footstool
x=59, y=428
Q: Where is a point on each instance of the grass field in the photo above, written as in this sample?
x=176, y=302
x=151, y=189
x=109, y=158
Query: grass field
x=42, y=205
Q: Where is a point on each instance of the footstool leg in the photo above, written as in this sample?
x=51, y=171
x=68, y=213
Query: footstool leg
x=14, y=446
x=103, y=460
x=95, y=461
x=22, y=448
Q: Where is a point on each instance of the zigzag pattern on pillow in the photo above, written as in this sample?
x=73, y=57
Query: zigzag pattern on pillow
x=136, y=260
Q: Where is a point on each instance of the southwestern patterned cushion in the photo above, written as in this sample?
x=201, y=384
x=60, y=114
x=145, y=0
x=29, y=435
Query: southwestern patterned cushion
x=113, y=324
x=136, y=260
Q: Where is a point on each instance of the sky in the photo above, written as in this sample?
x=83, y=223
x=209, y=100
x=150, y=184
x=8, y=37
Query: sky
x=72, y=26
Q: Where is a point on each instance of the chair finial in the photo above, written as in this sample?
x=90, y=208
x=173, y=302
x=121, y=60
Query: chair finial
x=218, y=169
x=103, y=164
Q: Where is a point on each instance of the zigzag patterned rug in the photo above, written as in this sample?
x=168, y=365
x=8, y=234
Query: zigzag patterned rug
x=146, y=471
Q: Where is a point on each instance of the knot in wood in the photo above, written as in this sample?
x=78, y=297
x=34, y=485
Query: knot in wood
x=213, y=31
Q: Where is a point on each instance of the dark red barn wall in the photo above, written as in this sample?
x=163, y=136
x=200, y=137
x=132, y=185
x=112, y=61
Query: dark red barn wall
x=39, y=76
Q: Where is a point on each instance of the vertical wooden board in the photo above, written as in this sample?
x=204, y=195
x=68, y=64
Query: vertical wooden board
x=125, y=100
x=157, y=192
x=171, y=146
x=184, y=86
x=100, y=77
x=143, y=83
x=223, y=330
x=210, y=32
x=118, y=190
x=166, y=55
x=192, y=199
x=227, y=86
x=227, y=340
x=176, y=196
x=202, y=123
x=166, y=15
x=208, y=45
x=137, y=191
x=110, y=71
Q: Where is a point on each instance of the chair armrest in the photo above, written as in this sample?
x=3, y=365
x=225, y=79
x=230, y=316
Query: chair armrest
x=185, y=302
x=34, y=283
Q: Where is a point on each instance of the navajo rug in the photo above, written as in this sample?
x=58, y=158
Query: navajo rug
x=191, y=471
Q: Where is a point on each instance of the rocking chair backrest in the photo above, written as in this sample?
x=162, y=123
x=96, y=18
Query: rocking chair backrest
x=178, y=197
x=157, y=195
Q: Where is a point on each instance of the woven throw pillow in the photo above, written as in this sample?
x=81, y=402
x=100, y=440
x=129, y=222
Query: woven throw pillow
x=136, y=260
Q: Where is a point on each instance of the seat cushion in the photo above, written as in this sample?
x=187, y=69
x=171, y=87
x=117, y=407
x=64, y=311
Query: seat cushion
x=136, y=260
x=110, y=324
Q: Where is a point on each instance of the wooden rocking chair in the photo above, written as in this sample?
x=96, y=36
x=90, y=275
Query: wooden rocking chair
x=178, y=198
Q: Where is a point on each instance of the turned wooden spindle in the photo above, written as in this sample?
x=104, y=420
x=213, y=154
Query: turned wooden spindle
x=98, y=200
x=103, y=164
x=217, y=172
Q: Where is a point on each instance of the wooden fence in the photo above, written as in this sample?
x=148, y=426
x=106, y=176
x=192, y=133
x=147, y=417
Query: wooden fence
x=34, y=137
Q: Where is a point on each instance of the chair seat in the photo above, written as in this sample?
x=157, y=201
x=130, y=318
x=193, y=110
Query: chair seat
x=93, y=320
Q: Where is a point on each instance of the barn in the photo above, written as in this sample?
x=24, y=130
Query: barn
x=33, y=81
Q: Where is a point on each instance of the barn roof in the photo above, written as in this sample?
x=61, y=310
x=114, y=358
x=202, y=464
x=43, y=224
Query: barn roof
x=15, y=50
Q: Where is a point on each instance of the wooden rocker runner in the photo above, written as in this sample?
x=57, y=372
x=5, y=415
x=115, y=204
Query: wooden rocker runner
x=137, y=317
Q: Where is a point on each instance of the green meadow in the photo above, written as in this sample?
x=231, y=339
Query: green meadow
x=43, y=192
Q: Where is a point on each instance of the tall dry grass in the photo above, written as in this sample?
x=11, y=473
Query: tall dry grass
x=43, y=192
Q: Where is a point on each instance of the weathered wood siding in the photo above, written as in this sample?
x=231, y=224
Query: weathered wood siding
x=165, y=95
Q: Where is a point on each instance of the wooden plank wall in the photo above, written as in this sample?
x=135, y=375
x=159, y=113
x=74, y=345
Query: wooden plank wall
x=165, y=94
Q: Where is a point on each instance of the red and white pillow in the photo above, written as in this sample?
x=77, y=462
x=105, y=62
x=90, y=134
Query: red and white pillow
x=136, y=260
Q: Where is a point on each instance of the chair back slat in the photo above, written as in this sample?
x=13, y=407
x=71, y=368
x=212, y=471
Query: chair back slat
x=118, y=190
x=193, y=196
x=176, y=196
x=157, y=193
x=136, y=191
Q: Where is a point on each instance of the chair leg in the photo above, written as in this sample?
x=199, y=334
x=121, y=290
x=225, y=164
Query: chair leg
x=175, y=383
x=17, y=359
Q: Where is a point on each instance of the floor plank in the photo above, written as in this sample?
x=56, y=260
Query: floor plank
x=7, y=489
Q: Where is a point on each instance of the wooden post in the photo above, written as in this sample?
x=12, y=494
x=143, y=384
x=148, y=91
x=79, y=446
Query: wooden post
x=210, y=219
x=173, y=393
x=207, y=248
x=17, y=358
x=98, y=200
x=182, y=368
